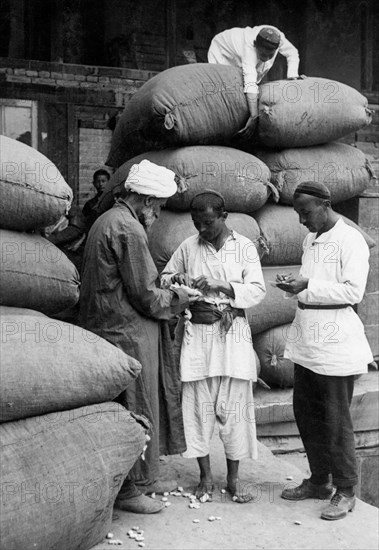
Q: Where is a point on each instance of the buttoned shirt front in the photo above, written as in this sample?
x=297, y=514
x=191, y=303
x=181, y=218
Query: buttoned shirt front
x=331, y=341
x=208, y=352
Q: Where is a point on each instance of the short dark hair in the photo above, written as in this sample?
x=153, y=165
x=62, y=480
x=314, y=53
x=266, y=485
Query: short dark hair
x=208, y=199
x=101, y=172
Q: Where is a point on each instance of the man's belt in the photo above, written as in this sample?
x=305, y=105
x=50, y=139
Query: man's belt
x=322, y=306
x=204, y=313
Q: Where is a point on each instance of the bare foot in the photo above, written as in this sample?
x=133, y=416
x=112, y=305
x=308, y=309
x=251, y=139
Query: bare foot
x=205, y=487
x=236, y=491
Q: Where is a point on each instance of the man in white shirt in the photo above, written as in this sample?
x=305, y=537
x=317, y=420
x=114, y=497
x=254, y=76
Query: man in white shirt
x=254, y=50
x=328, y=346
x=217, y=363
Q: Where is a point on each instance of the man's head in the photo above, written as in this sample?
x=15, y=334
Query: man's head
x=100, y=179
x=147, y=187
x=266, y=43
x=209, y=215
x=311, y=201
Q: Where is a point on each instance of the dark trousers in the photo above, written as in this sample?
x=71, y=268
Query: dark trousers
x=322, y=410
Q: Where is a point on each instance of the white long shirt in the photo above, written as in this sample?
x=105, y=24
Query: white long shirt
x=207, y=352
x=236, y=47
x=331, y=341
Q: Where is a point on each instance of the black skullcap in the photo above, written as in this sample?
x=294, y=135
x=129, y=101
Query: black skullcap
x=313, y=188
x=208, y=192
x=268, y=38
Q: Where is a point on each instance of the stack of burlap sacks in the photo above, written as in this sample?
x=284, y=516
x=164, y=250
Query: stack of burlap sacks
x=186, y=119
x=65, y=446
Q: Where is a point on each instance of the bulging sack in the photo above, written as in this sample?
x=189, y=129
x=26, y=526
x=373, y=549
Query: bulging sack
x=276, y=370
x=274, y=309
x=283, y=235
x=61, y=474
x=172, y=228
x=199, y=103
x=33, y=193
x=344, y=169
x=242, y=179
x=35, y=274
x=49, y=366
x=308, y=112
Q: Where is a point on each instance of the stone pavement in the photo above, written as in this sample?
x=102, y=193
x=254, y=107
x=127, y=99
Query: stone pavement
x=268, y=522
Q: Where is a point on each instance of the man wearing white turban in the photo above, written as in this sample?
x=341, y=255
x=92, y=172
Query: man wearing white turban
x=121, y=302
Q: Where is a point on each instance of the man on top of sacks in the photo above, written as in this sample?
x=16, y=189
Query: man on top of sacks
x=328, y=346
x=121, y=302
x=217, y=363
x=254, y=50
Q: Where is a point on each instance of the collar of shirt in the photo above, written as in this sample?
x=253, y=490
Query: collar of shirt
x=231, y=236
x=121, y=203
x=324, y=237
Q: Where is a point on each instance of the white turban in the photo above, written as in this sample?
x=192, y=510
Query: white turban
x=147, y=178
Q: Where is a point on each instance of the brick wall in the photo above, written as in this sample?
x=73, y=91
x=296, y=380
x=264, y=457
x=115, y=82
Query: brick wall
x=94, y=144
x=121, y=81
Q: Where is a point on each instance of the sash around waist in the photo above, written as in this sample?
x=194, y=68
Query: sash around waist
x=204, y=313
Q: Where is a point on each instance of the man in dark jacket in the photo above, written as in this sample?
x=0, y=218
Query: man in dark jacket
x=121, y=302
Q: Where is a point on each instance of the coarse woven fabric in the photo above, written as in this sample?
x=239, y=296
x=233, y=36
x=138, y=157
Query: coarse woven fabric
x=62, y=473
x=36, y=274
x=199, y=103
x=274, y=309
x=308, y=112
x=49, y=366
x=241, y=178
x=33, y=193
x=343, y=169
x=276, y=371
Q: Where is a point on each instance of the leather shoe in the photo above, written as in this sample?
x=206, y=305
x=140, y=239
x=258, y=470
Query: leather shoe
x=140, y=504
x=307, y=489
x=338, y=507
x=158, y=487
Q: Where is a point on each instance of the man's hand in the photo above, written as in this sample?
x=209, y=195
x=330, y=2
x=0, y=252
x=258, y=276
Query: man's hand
x=182, y=279
x=301, y=77
x=248, y=130
x=291, y=284
x=206, y=284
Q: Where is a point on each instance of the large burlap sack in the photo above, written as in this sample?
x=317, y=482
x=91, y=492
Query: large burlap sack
x=269, y=345
x=172, y=228
x=61, y=474
x=33, y=193
x=283, y=234
x=35, y=274
x=308, y=112
x=344, y=169
x=200, y=103
x=274, y=309
x=48, y=366
x=242, y=179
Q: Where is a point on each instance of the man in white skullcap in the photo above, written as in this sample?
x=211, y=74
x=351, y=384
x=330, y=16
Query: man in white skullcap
x=254, y=50
x=121, y=302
